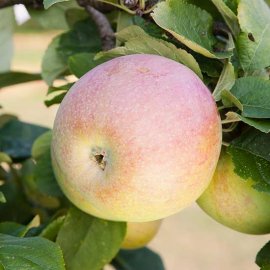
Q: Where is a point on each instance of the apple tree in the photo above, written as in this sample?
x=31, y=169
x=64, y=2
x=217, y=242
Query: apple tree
x=226, y=43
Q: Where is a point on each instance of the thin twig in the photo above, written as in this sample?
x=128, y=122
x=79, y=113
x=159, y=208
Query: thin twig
x=225, y=144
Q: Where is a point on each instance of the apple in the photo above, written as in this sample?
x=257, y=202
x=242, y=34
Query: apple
x=136, y=139
x=139, y=234
x=233, y=202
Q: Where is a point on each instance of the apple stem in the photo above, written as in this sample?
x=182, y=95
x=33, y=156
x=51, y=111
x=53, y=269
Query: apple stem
x=231, y=128
x=142, y=4
x=225, y=144
x=221, y=108
x=223, y=122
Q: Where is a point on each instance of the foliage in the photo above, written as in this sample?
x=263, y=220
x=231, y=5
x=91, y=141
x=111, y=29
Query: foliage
x=129, y=260
x=262, y=258
x=95, y=241
x=226, y=43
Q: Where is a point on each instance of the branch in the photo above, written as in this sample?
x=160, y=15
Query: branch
x=37, y=4
x=104, y=27
x=102, y=7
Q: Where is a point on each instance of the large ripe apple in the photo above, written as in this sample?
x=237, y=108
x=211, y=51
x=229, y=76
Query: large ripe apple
x=136, y=139
x=233, y=201
x=139, y=234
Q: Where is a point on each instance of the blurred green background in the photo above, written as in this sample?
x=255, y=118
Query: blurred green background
x=189, y=240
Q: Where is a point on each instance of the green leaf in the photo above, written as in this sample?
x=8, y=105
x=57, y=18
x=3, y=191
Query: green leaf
x=34, y=253
x=229, y=100
x=251, y=156
x=88, y=242
x=12, y=228
x=137, y=41
x=254, y=42
x=57, y=99
x=4, y=174
x=16, y=229
x=254, y=95
x=48, y=3
x=232, y=4
x=263, y=257
x=250, y=166
x=190, y=25
x=51, y=230
x=124, y=20
x=143, y=259
x=75, y=15
x=17, y=208
x=6, y=32
x=5, y=158
x=84, y=37
x=43, y=172
x=253, y=15
x=229, y=17
x=4, y=118
x=41, y=144
x=54, y=17
x=206, y=5
x=32, y=225
x=16, y=138
x=65, y=87
x=135, y=31
x=55, y=95
x=15, y=77
x=33, y=187
x=260, y=124
x=113, y=53
x=81, y=63
x=2, y=197
x=261, y=73
x=149, y=27
x=211, y=67
x=255, y=142
x=53, y=64
x=226, y=80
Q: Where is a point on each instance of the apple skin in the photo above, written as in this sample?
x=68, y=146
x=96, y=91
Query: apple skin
x=139, y=234
x=136, y=139
x=233, y=202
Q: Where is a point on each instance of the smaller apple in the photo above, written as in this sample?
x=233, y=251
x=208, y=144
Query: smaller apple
x=139, y=234
x=233, y=202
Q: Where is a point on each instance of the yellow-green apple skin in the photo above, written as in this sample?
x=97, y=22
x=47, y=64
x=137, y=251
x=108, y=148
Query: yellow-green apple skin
x=233, y=201
x=139, y=234
x=136, y=139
